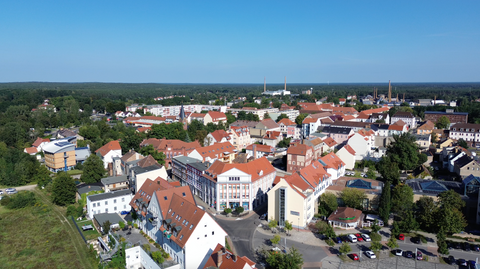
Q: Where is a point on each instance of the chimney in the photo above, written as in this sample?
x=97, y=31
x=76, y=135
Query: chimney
x=254, y=151
x=285, y=83
x=234, y=257
x=219, y=257
x=264, y=84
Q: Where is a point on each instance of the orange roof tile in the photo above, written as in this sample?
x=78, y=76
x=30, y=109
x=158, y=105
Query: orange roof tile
x=286, y=122
x=299, y=149
x=227, y=260
x=261, y=148
x=31, y=150
x=330, y=142
x=332, y=161
x=147, y=189
x=272, y=135
x=218, y=135
x=112, y=145
x=174, y=144
x=217, y=116
x=40, y=141
x=350, y=149
x=253, y=168
x=309, y=120
x=215, y=150
x=197, y=115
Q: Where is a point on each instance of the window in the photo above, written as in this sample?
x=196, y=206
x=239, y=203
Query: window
x=93, y=204
x=106, y=210
x=191, y=226
x=106, y=202
x=213, y=232
x=98, y=204
x=114, y=201
x=124, y=206
x=205, y=235
x=115, y=208
x=123, y=199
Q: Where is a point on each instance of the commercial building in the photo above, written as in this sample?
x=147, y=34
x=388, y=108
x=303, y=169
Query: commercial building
x=453, y=117
x=60, y=154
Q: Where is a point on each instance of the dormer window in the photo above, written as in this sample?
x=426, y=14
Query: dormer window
x=191, y=226
x=173, y=213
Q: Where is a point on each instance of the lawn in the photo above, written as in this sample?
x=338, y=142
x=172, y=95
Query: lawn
x=74, y=172
x=39, y=237
x=92, y=234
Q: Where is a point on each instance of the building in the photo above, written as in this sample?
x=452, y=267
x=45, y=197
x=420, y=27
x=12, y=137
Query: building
x=295, y=198
x=423, y=141
x=171, y=148
x=60, y=155
x=338, y=134
x=224, y=152
x=453, y=117
x=144, y=169
x=108, y=152
x=239, y=184
x=115, y=183
x=272, y=138
x=109, y=202
x=333, y=165
x=257, y=151
x=221, y=258
x=363, y=144
x=298, y=157
x=40, y=143
x=345, y=218
x=397, y=128
x=426, y=128
x=240, y=136
x=218, y=136
x=406, y=117
x=289, y=128
x=318, y=146
x=372, y=189
x=100, y=219
x=217, y=117
x=291, y=113
x=136, y=257
x=347, y=155
x=259, y=112
x=121, y=165
x=467, y=131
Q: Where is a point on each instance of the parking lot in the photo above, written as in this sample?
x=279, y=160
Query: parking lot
x=384, y=261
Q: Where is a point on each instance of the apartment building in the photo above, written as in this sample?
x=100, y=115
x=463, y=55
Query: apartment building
x=109, y=202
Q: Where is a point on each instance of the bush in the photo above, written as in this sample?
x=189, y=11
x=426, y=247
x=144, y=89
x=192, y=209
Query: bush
x=122, y=225
x=20, y=200
x=71, y=211
x=227, y=210
x=376, y=237
x=157, y=245
x=239, y=210
x=157, y=256
x=135, y=226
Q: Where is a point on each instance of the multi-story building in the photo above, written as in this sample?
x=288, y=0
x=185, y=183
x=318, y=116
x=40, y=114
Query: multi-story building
x=453, y=117
x=218, y=136
x=144, y=169
x=240, y=136
x=164, y=111
x=222, y=258
x=260, y=112
x=171, y=148
x=338, y=134
x=224, y=152
x=406, y=117
x=258, y=151
x=272, y=138
x=467, y=131
x=108, y=152
x=121, y=165
x=60, y=155
x=291, y=113
x=426, y=128
x=362, y=143
x=318, y=146
x=109, y=202
x=188, y=171
x=298, y=157
x=289, y=128
x=333, y=165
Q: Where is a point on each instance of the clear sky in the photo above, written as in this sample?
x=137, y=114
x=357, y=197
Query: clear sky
x=231, y=41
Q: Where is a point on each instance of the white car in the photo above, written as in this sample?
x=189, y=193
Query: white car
x=352, y=238
x=1, y=192
x=366, y=237
x=399, y=252
x=370, y=254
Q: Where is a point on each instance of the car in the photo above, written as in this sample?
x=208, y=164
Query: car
x=409, y=254
x=449, y=244
x=450, y=260
x=352, y=238
x=466, y=246
x=10, y=189
x=124, y=213
x=337, y=240
x=399, y=252
x=370, y=254
x=11, y=192
x=475, y=247
x=462, y=262
x=401, y=237
x=359, y=237
x=1, y=192
x=366, y=237
x=419, y=255
x=416, y=240
x=354, y=256
x=457, y=245
x=472, y=264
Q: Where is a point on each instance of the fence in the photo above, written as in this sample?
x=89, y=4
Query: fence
x=76, y=225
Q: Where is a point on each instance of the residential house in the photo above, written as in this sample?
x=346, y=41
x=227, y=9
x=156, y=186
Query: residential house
x=362, y=144
x=31, y=151
x=100, y=219
x=333, y=165
x=218, y=136
x=298, y=157
x=272, y=138
x=329, y=145
x=258, y=151
x=423, y=141
x=108, y=152
x=239, y=184
x=122, y=164
x=224, y=152
x=240, y=136
x=379, y=117
x=217, y=117
x=65, y=133
x=345, y=218
x=347, y=155
x=467, y=131
x=426, y=128
x=222, y=258
x=291, y=113
x=355, y=126
x=318, y=146
x=40, y=143
x=203, y=118
x=262, y=127
x=295, y=198
x=407, y=117
x=465, y=166
x=289, y=128
x=115, y=183
x=171, y=147
x=397, y=128
x=137, y=257
x=144, y=169
x=108, y=202
x=340, y=135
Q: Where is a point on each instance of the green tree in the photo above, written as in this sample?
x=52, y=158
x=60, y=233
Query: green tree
x=158, y=257
x=353, y=197
x=288, y=226
x=266, y=116
x=276, y=239
x=402, y=199
x=281, y=117
x=63, y=189
x=93, y=169
x=239, y=209
x=376, y=246
x=375, y=227
x=345, y=248
x=42, y=177
x=442, y=123
x=106, y=227
x=150, y=150
x=330, y=242
x=392, y=242
x=449, y=215
x=395, y=229
x=285, y=143
x=272, y=223
x=441, y=243
x=121, y=224
x=408, y=222
x=291, y=260
x=405, y=152
x=462, y=143
x=389, y=170
x=385, y=203
x=230, y=118
x=300, y=118
x=327, y=204
x=425, y=212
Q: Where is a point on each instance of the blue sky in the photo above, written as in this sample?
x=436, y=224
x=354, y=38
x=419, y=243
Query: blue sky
x=240, y=41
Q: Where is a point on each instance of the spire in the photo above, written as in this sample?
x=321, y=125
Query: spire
x=182, y=113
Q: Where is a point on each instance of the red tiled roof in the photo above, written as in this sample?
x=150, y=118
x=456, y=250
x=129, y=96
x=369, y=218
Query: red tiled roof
x=174, y=144
x=399, y=123
x=363, y=116
x=332, y=161
x=218, y=135
x=376, y=110
x=253, y=168
x=148, y=161
x=144, y=129
x=216, y=150
x=350, y=149
x=330, y=142
x=261, y=148
x=227, y=260
x=428, y=125
x=349, y=117
x=147, y=189
x=286, y=122
x=314, y=173
x=299, y=149
x=217, y=116
x=112, y=145
x=197, y=115
x=395, y=127
x=270, y=124
x=273, y=135
x=31, y=150
x=309, y=120
x=345, y=215
x=40, y=141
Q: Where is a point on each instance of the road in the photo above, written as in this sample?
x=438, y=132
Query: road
x=23, y=188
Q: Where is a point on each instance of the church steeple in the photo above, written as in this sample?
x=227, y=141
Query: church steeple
x=182, y=114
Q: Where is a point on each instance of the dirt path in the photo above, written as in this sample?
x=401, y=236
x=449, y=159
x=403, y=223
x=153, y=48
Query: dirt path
x=77, y=241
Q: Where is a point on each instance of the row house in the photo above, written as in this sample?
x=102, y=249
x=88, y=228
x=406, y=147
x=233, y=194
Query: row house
x=295, y=198
x=240, y=184
x=298, y=157
x=171, y=147
x=467, y=131
x=289, y=128
x=406, y=117
x=109, y=202
x=225, y=152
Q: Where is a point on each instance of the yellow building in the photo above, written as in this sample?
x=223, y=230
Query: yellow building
x=60, y=155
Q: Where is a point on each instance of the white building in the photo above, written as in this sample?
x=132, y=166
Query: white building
x=136, y=257
x=109, y=151
x=406, y=117
x=362, y=143
x=109, y=202
x=467, y=131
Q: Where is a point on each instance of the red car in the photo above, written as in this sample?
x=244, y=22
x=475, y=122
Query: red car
x=359, y=237
x=354, y=257
x=401, y=237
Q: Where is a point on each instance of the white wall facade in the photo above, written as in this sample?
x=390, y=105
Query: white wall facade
x=108, y=158
x=111, y=205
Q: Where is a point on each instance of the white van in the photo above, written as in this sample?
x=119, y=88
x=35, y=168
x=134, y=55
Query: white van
x=352, y=238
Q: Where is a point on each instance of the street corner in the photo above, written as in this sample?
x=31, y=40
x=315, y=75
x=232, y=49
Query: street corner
x=331, y=251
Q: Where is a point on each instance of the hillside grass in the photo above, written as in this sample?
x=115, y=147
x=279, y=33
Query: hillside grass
x=40, y=237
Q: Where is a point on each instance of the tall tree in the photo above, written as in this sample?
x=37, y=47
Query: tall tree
x=442, y=123
x=385, y=203
x=327, y=204
x=426, y=210
x=389, y=170
x=405, y=152
x=353, y=197
x=63, y=189
x=150, y=150
x=402, y=199
x=93, y=169
x=300, y=118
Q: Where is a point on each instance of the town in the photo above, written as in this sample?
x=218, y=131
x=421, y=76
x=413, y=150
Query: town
x=282, y=177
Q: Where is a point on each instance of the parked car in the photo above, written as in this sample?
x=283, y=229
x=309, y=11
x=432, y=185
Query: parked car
x=475, y=247
x=401, y=237
x=124, y=213
x=419, y=255
x=337, y=240
x=10, y=189
x=409, y=254
x=370, y=254
x=359, y=237
x=466, y=246
x=462, y=262
x=416, y=240
x=450, y=260
x=472, y=264
x=1, y=192
x=352, y=238
x=354, y=256
x=399, y=252
x=366, y=237
x=457, y=245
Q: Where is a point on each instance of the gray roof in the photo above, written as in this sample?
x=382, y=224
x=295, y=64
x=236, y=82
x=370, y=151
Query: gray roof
x=141, y=170
x=114, y=218
x=58, y=146
x=113, y=180
x=185, y=160
x=199, y=166
x=85, y=188
x=108, y=195
x=134, y=162
x=336, y=130
x=81, y=154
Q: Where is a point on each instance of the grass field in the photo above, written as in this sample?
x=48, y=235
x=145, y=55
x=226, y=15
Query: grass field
x=92, y=234
x=40, y=237
x=74, y=172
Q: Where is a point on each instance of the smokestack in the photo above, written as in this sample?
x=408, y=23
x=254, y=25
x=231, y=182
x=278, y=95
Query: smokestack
x=220, y=257
x=397, y=98
x=403, y=98
x=254, y=151
x=264, y=84
x=389, y=92
x=285, y=83
x=435, y=100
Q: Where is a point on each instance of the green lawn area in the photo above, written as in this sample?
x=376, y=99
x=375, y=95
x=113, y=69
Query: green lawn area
x=92, y=234
x=39, y=237
x=74, y=172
